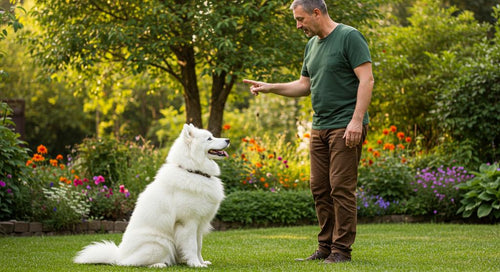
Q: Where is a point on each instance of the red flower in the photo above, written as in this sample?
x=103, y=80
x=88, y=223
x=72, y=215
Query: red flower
x=393, y=128
x=408, y=139
x=226, y=127
x=401, y=135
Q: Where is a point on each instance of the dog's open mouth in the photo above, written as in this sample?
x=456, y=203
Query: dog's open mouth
x=219, y=153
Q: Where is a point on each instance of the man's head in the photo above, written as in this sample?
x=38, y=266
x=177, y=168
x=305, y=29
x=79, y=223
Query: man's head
x=308, y=14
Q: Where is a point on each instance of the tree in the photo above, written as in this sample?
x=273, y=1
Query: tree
x=407, y=80
x=182, y=39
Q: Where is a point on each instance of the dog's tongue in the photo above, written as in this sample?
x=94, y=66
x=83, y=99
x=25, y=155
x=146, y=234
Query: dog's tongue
x=220, y=153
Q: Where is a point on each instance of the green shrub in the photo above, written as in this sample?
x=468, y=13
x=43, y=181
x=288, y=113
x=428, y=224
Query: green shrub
x=14, y=174
x=264, y=207
x=384, y=170
x=130, y=163
x=482, y=193
x=267, y=164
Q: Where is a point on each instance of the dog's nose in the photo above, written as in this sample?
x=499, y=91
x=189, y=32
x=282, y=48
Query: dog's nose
x=228, y=141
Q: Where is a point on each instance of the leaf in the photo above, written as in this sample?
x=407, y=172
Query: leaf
x=484, y=210
x=485, y=196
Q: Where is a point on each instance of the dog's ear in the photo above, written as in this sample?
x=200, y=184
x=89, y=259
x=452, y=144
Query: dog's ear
x=187, y=132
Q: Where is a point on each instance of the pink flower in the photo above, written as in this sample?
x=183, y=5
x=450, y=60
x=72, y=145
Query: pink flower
x=98, y=179
x=77, y=182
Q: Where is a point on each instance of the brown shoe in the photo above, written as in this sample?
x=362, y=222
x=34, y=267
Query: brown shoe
x=318, y=255
x=337, y=258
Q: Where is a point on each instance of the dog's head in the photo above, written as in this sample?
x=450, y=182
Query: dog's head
x=202, y=141
x=196, y=149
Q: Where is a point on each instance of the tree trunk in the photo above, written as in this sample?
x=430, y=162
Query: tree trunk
x=191, y=95
x=220, y=92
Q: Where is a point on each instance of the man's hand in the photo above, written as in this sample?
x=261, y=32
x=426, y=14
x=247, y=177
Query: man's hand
x=353, y=133
x=257, y=86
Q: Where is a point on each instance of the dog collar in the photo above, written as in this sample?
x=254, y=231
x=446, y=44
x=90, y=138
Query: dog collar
x=199, y=173
x=196, y=172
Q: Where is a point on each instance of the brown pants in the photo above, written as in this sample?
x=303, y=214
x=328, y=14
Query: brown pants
x=334, y=176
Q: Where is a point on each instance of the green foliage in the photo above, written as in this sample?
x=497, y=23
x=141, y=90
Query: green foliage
x=14, y=197
x=62, y=207
x=482, y=193
x=413, y=64
x=468, y=106
x=384, y=171
x=131, y=163
x=388, y=178
x=268, y=163
x=259, y=207
x=9, y=19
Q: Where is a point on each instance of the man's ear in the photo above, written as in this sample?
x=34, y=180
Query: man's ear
x=316, y=12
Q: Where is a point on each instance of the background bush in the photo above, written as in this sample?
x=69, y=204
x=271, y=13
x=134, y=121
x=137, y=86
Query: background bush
x=263, y=207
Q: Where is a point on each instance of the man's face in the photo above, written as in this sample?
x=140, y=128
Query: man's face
x=305, y=21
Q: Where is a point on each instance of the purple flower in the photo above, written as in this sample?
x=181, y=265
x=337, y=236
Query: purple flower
x=9, y=176
x=2, y=183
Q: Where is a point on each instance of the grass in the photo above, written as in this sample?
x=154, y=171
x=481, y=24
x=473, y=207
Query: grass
x=378, y=247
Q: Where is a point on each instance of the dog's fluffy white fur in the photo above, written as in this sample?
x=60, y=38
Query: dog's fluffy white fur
x=174, y=211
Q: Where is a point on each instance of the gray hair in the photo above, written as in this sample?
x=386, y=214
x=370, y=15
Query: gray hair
x=310, y=5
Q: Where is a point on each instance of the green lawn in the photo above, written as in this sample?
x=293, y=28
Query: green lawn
x=382, y=247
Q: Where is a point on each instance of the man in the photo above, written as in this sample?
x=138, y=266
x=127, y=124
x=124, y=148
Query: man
x=337, y=73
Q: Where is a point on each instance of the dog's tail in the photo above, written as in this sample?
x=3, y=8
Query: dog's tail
x=104, y=252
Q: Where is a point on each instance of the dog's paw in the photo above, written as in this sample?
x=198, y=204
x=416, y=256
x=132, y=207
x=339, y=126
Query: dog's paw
x=196, y=264
x=158, y=265
x=207, y=262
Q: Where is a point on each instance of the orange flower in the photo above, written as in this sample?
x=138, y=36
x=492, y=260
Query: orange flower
x=370, y=149
x=403, y=160
x=262, y=179
x=62, y=166
x=259, y=165
x=59, y=157
x=307, y=135
x=41, y=149
x=379, y=141
x=244, y=140
x=266, y=185
x=365, y=142
x=376, y=154
x=400, y=146
x=271, y=156
x=408, y=139
x=226, y=127
x=393, y=128
x=29, y=162
x=401, y=135
x=385, y=131
x=38, y=157
x=389, y=146
x=65, y=180
x=53, y=162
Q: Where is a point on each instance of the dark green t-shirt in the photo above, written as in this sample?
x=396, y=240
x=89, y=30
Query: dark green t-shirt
x=330, y=63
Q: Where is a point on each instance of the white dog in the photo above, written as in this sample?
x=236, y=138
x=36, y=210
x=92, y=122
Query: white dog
x=174, y=211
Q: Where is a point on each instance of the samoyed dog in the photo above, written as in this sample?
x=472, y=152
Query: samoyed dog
x=174, y=211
